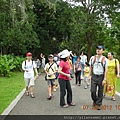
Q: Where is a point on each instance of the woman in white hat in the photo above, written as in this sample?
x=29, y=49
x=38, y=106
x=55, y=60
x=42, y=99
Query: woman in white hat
x=64, y=79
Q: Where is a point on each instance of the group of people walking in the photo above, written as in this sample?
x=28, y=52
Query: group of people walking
x=101, y=71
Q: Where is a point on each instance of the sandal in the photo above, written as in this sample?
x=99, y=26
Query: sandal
x=113, y=99
x=72, y=104
x=65, y=106
x=49, y=98
x=27, y=94
x=32, y=96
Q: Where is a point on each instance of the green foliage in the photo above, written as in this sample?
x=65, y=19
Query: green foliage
x=9, y=63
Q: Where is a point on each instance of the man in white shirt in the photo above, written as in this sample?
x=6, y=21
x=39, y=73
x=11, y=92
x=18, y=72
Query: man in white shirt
x=29, y=66
x=97, y=74
x=83, y=61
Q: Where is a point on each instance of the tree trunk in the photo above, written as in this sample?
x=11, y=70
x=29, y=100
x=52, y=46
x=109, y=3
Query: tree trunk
x=89, y=44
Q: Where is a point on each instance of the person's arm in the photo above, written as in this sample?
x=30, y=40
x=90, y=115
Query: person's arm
x=118, y=69
x=23, y=67
x=106, y=70
x=35, y=68
x=90, y=69
x=60, y=72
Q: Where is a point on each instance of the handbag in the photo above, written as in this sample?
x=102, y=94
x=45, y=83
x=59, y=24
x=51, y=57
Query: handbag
x=110, y=88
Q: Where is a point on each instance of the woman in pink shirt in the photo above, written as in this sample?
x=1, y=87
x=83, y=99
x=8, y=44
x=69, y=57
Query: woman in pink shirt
x=64, y=80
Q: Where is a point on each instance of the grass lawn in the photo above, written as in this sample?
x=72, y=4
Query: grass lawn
x=10, y=88
x=118, y=85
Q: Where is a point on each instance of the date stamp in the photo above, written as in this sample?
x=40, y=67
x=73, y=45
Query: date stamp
x=103, y=107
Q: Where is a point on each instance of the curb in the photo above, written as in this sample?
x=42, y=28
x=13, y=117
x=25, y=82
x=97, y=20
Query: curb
x=14, y=102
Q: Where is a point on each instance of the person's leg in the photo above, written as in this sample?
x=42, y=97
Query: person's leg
x=69, y=92
x=52, y=86
x=93, y=91
x=100, y=90
x=32, y=90
x=79, y=77
x=86, y=84
x=49, y=87
x=62, y=84
x=32, y=87
x=82, y=73
x=27, y=81
x=76, y=77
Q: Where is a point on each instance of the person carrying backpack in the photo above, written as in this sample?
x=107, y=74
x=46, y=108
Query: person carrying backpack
x=50, y=69
x=97, y=74
x=29, y=66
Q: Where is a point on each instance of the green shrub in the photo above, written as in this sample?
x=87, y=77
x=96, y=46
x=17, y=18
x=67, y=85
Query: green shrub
x=10, y=63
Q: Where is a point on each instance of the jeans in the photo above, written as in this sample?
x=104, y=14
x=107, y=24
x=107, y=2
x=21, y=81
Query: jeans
x=96, y=81
x=65, y=85
x=83, y=66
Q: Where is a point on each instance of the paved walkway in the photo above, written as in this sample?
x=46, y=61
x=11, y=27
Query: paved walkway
x=41, y=106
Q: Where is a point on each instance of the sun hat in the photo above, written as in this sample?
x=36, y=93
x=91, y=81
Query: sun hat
x=65, y=53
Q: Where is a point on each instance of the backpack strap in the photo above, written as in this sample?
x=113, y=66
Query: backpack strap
x=103, y=58
x=94, y=59
x=25, y=64
x=50, y=66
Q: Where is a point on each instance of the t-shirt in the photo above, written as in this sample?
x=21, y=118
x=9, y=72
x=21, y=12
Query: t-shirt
x=65, y=68
x=29, y=66
x=43, y=60
x=77, y=66
x=83, y=59
x=37, y=62
x=98, y=68
x=74, y=59
x=50, y=71
x=86, y=71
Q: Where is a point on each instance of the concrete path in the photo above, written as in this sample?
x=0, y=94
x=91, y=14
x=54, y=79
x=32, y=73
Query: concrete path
x=41, y=106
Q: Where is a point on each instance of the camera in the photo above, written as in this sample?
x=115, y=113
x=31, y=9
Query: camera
x=49, y=75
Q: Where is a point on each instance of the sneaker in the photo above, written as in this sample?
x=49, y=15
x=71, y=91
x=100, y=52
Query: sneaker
x=86, y=87
x=54, y=90
x=65, y=106
x=79, y=84
x=49, y=98
x=72, y=104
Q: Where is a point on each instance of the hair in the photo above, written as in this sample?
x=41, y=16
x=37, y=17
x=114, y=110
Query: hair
x=79, y=58
x=35, y=58
x=64, y=59
x=87, y=63
x=111, y=53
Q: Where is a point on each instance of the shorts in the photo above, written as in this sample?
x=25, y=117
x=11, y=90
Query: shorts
x=51, y=82
x=29, y=81
x=85, y=79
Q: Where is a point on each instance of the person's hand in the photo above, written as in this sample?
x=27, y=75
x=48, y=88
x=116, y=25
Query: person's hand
x=68, y=75
x=37, y=75
x=118, y=76
x=26, y=70
x=103, y=82
x=89, y=78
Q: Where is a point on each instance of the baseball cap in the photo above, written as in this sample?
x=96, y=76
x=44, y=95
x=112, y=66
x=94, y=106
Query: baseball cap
x=29, y=54
x=100, y=47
